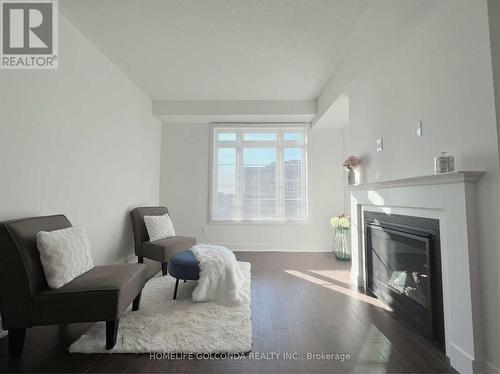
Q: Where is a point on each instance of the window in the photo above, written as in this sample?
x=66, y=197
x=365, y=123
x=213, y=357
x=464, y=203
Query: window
x=259, y=174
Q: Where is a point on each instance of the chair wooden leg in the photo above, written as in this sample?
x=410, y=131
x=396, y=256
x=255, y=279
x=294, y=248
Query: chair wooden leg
x=137, y=302
x=111, y=332
x=16, y=342
x=175, y=289
x=140, y=259
x=164, y=267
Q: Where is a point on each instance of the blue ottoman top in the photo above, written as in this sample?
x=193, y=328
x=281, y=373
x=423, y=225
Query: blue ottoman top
x=184, y=265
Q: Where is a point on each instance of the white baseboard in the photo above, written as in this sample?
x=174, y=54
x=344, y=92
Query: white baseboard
x=460, y=360
x=490, y=367
x=265, y=247
x=259, y=247
x=464, y=363
x=127, y=260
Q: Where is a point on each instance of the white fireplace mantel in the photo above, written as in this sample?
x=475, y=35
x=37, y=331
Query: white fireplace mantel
x=443, y=178
x=450, y=198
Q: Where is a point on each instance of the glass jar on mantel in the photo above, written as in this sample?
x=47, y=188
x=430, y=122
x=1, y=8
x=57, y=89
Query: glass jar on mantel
x=351, y=177
x=341, y=247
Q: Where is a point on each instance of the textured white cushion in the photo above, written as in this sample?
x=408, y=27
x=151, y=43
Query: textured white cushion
x=159, y=227
x=65, y=254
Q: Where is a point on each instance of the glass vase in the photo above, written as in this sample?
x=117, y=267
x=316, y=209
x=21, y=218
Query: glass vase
x=351, y=177
x=341, y=247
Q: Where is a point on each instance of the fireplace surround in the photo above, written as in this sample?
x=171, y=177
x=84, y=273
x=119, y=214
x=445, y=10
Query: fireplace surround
x=403, y=268
x=450, y=199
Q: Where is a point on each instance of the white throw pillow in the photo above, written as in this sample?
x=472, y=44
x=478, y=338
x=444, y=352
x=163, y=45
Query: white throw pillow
x=65, y=254
x=159, y=227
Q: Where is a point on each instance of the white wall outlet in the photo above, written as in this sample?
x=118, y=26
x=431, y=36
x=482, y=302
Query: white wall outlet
x=204, y=229
x=418, y=128
x=380, y=144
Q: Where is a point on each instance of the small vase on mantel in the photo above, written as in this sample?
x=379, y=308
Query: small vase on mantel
x=351, y=177
x=351, y=163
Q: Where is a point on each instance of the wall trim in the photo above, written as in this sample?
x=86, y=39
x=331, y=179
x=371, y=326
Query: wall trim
x=460, y=360
x=489, y=367
x=131, y=259
x=266, y=247
x=259, y=247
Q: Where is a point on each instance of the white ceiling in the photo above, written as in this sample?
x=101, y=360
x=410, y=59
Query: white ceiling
x=220, y=50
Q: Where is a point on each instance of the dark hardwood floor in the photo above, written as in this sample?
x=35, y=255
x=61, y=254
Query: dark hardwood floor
x=301, y=302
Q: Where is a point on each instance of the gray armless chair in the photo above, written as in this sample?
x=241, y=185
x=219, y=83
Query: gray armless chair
x=158, y=250
x=101, y=294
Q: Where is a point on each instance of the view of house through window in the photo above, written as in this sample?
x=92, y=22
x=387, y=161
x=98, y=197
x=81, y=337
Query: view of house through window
x=259, y=173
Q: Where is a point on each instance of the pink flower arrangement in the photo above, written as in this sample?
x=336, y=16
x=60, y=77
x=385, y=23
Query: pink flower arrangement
x=352, y=162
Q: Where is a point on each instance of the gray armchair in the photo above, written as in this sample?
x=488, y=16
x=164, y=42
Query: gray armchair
x=158, y=250
x=101, y=294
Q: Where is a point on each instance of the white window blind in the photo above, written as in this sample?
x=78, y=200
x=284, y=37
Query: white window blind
x=259, y=173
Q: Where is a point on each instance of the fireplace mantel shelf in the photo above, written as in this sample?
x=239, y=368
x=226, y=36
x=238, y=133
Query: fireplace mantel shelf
x=433, y=179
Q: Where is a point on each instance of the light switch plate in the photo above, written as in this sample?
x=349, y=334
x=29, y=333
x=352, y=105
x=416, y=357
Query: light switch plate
x=418, y=129
x=380, y=144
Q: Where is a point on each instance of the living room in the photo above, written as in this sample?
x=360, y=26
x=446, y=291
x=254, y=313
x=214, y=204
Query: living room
x=250, y=186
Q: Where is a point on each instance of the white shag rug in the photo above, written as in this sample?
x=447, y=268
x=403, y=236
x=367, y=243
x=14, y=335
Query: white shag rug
x=163, y=325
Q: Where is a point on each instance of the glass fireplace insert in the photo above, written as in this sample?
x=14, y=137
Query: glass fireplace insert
x=403, y=268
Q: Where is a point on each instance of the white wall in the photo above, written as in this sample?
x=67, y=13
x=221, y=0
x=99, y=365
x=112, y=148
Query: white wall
x=184, y=189
x=494, y=19
x=441, y=73
x=81, y=141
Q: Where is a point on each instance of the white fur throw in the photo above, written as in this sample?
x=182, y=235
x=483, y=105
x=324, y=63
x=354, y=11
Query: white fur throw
x=221, y=279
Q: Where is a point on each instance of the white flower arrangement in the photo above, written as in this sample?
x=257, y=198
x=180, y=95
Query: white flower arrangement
x=340, y=222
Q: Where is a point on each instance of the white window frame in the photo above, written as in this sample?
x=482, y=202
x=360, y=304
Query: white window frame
x=259, y=128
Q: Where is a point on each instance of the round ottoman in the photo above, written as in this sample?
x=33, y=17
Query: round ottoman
x=183, y=266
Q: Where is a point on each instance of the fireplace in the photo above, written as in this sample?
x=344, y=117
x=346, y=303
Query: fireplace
x=403, y=269
x=449, y=200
